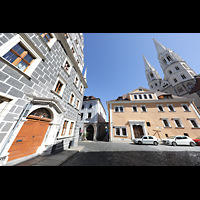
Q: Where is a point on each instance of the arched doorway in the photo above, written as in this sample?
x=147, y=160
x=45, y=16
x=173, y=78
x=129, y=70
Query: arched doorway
x=31, y=134
x=90, y=131
x=138, y=131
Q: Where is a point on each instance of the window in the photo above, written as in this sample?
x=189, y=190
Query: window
x=71, y=100
x=183, y=76
x=166, y=122
x=81, y=116
x=156, y=84
x=134, y=108
x=90, y=106
x=58, y=87
x=151, y=75
x=186, y=108
x=67, y=66
x=77, y=104
x=170, y=72
x=160, y=108
x=64, y=129
x=76, y=81
x=135, y=96
x=175, y=80
x=20, y=57
x=190, y=85
x=81, y=89
x=145, y=96
x=169, y=58
x=164, y=61
x=140, y=96
x=83, y=106
x=178, y=123
x=150, y=96
x=148, y=123
x=180, y=89
x=3, y=103
x=194, y=123
x=119, y=109
x=71, y=128
x=46, y=36
x=171, y=107
x=89, y=115
x=177, y=68
x=121, y=131
x=143, y=108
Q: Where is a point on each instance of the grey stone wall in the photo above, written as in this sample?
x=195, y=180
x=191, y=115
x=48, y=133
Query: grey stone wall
x=41, y=83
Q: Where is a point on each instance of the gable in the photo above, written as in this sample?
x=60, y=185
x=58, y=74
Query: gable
x=140, y=89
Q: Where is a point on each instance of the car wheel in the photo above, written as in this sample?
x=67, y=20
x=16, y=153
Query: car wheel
x=155, y=143
x=139, y=142
x=192, y=144
x=174, y=144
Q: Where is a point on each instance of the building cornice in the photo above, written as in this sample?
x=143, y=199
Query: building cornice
x=62, y=39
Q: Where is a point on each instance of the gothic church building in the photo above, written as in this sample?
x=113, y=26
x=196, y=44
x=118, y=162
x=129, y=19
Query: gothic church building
x=179, y=78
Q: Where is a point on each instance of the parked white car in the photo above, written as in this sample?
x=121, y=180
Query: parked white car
x=146, y=140
x=179, y=140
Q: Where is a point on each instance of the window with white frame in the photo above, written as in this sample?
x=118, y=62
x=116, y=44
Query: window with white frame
x=121, y=131
x=119, y=108
x=165, y=122
x=143, y=108
x=48, y=38
x=76, y=81
x=171, y=108
x=194, y=123
x=20, y=55
x=81, y=88
x=135, y=108
x=178, y=123
x=67, y=65
x=59, y=86
x=77, y=104
x=67, y=128
x=72, y=98
x=160, y=108
x=185, y=108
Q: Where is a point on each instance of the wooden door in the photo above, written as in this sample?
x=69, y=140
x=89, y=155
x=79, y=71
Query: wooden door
x=138, y=131
x=29, y=138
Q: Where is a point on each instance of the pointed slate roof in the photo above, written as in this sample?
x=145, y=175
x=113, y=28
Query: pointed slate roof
x=159, y=47
x=146, y=64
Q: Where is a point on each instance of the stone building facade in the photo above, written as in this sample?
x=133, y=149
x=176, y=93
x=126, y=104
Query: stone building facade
x=41, y=90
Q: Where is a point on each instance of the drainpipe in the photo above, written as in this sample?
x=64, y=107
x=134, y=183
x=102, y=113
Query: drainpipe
x=3, y=157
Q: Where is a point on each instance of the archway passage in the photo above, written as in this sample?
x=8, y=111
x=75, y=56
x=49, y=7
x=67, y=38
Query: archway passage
x=31, y=134
x=90, y=131
x=138, y=131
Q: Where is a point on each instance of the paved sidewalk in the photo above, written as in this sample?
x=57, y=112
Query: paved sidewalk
x=52, y=159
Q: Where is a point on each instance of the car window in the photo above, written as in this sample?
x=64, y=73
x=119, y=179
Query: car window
x=145, y=137
x=150, y=137
x=184, y=137
x=178, y=138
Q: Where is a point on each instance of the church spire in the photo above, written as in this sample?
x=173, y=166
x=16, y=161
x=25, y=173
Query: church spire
x=159, y=47
x=146, y=64
x=153, y=77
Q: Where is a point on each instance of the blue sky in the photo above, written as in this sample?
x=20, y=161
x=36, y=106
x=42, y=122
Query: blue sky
x=115, y=63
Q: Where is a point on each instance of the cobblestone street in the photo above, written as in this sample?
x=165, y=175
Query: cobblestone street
x=129, y=154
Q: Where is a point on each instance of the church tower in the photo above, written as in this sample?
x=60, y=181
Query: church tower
x=177, y=72
x=153, y=78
